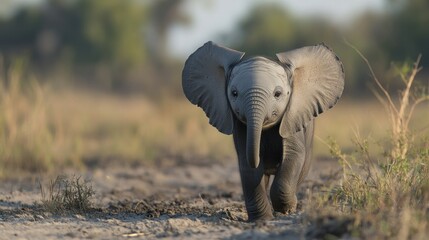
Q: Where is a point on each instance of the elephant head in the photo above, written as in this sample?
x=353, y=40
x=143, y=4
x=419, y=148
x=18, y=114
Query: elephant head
x=260, y=92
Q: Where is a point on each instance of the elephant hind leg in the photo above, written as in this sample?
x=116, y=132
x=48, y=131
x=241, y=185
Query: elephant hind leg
x=285, y=183
x=308, y=135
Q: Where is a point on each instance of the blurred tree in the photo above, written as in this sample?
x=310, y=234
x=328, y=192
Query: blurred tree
x=363, y=33
x=265, y=30
x=110, y=34
x=163, y=15
x=397, y=35
x=108, y=31
x=115, y=41
x=406, y=32
x=18, y=34
x=112, y=31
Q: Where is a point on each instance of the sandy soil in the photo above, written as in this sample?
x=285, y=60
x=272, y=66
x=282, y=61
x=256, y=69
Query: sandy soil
x=179, y=201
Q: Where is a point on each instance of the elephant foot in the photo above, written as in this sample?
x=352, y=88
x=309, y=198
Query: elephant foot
x=258, y=207
x=255, y=217
x=285, y=205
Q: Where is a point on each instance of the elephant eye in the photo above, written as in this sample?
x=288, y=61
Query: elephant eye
x=234, y=93
x=277, y=93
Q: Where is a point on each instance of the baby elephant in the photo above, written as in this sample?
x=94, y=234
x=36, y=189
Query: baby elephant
x=268, y=106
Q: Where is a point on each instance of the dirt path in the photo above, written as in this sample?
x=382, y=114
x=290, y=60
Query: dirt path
x=182, y=202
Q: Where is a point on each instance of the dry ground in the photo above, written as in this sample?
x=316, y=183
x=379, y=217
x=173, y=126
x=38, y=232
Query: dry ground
x=182, y=201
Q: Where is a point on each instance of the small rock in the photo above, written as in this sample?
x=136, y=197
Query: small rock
x=38, y=217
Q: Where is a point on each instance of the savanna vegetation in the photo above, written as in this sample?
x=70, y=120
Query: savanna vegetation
x=87, y=84
x=384, y=193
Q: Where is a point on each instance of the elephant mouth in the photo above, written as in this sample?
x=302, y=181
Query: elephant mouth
x=268, y=123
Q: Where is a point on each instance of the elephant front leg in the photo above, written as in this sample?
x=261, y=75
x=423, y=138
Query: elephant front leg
x=255, y=194
x=253, y=180
x=285, y=183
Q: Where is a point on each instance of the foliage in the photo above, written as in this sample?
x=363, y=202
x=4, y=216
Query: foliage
x=79, y=31
x=67, y=195
x=267, y=29
x=404, y=34
x=163, y=15
x=95, y=42
x=110, y=31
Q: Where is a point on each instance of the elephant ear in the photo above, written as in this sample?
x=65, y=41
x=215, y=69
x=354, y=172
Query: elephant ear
x=204, y=82
x=317, y=78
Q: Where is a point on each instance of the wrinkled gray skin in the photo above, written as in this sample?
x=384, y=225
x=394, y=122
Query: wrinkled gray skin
x=269, y=108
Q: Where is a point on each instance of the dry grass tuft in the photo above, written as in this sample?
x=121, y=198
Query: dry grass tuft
x=67, y=195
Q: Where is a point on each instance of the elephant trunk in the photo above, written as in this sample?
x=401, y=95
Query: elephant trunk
x=255, y=119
